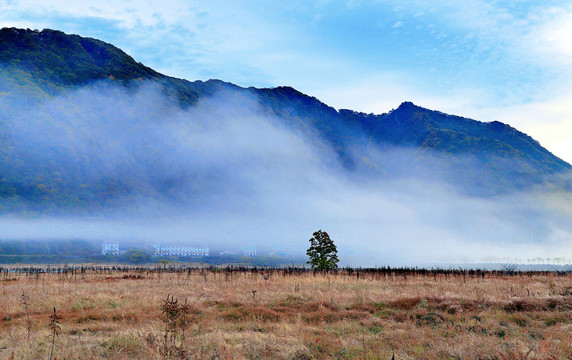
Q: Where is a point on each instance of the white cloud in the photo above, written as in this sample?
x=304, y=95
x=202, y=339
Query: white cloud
x=128, y=14
x=551, y=37
x=524, y=31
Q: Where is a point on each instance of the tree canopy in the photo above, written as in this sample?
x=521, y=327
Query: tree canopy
x=322, y=252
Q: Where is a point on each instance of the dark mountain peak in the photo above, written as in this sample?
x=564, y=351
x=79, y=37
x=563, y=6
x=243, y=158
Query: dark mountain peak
x=49, y=34
x=407, y=105
x=18, y=32
x=501, y=127
x=290, y=92
x=287, y=100
x=287, y=89
x=286, y=92
x=54, y=59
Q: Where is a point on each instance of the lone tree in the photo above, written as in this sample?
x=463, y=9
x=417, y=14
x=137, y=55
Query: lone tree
x=322, y=252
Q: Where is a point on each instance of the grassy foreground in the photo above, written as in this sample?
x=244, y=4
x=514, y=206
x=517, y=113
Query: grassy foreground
x=274, y=314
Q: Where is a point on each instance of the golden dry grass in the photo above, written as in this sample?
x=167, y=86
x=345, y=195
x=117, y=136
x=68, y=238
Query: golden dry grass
x=270, y=315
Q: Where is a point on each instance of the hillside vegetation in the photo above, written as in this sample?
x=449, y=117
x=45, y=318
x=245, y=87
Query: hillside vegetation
x=45, y=125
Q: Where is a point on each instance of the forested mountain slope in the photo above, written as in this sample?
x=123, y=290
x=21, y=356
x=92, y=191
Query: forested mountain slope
x=78, y=133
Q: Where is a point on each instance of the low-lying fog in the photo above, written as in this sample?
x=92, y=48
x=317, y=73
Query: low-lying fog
x=244, y=178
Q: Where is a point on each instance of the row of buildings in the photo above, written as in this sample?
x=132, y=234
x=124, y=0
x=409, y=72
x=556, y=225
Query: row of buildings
x=110, y=249
x=167, y=250
x=171, y=250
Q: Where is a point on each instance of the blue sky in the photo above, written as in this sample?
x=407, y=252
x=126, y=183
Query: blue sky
x=490, y=60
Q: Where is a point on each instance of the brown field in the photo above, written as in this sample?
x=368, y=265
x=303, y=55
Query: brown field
x=274, y=314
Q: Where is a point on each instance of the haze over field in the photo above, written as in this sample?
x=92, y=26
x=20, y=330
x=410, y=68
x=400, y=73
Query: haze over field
x=227, y=173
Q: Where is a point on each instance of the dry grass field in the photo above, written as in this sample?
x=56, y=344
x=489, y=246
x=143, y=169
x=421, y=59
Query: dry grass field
x=273, y=314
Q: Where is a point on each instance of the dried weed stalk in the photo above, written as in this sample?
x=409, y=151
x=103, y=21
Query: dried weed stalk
x=25, y=301
x=55, y=329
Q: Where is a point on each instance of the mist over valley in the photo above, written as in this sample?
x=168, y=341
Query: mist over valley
x=122, y=152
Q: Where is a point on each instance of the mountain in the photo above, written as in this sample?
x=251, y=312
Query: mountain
x=69, y=165
x=49, y=61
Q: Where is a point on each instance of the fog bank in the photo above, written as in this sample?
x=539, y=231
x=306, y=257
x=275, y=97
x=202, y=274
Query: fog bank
x=225, y=173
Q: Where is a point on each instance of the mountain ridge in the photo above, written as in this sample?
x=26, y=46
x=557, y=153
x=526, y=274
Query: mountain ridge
x=43, y=64
x=189, y=95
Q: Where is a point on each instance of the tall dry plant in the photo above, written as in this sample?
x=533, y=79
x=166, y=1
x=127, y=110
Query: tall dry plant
x=177, y=319
x=25, y=301
x=55, y=330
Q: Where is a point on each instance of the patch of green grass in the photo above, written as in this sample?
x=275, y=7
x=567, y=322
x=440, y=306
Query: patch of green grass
x=112, y=304
x=376, y=329
x=82, y=304
x=125, y=344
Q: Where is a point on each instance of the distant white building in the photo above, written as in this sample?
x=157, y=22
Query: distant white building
x=250, y=251
x=167, y=250
x=112, y=249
